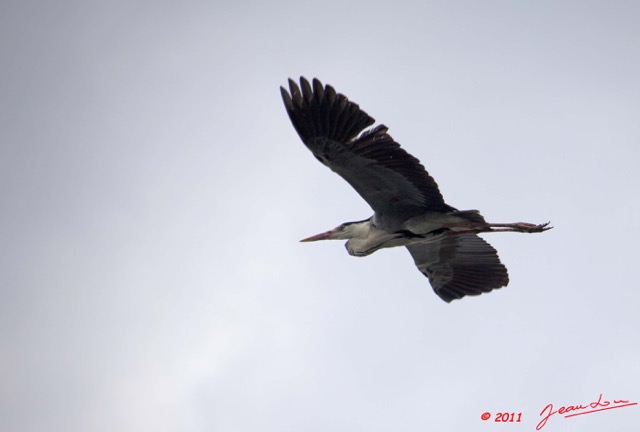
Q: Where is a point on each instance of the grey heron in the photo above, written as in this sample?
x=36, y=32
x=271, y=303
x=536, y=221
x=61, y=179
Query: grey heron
x=408, y=207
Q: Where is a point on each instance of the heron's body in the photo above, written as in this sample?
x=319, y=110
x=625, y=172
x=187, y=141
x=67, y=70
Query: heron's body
x=408, y=207
x=366, y=237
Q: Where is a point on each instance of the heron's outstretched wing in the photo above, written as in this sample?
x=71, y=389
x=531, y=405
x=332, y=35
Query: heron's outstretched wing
x=391, y=180
x=460, y=264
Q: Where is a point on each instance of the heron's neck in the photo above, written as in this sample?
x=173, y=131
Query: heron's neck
x=358, y=230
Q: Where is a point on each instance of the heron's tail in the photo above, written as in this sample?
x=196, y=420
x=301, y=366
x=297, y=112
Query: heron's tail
x=321, y=112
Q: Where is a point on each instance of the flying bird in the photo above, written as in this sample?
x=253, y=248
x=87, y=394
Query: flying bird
x=408, y=208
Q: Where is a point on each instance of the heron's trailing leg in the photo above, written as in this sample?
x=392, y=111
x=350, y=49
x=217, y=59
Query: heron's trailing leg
x=522, y=227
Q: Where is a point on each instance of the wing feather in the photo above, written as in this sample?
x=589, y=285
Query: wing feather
x=393, y=182
x=459, y=265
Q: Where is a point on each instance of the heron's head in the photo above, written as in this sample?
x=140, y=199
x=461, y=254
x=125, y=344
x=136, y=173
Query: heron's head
x=345, y=231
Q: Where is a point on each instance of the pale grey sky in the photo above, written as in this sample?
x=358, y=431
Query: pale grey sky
x=153, y=193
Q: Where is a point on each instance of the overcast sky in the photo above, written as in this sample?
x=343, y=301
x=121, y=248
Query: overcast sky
x=153, y=192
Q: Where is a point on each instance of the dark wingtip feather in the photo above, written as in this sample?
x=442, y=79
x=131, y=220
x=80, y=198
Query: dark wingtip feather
x=295, y=93
x=288, y=103
x=317, y=110
x=318, y=90
x=307, y=93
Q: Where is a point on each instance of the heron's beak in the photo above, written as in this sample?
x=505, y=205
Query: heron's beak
x=324, y=236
